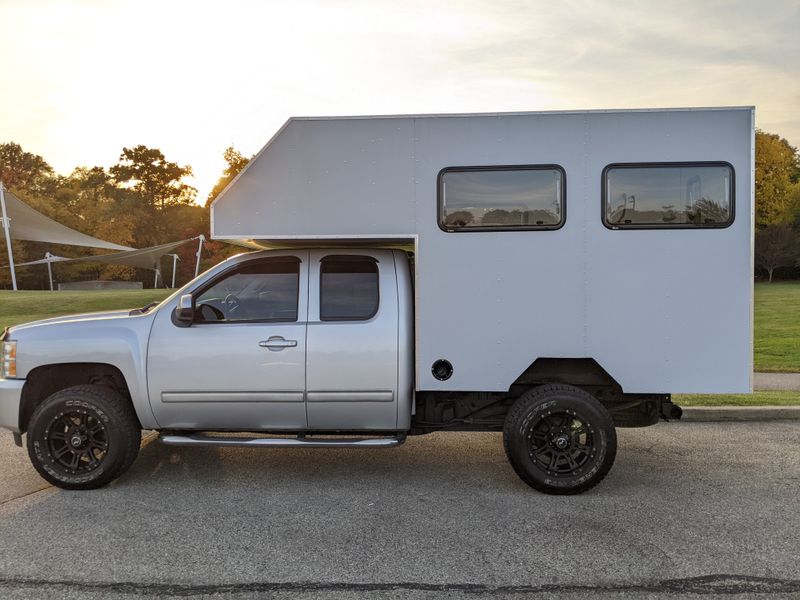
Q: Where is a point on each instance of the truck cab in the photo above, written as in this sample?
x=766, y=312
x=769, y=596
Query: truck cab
x=290, y=340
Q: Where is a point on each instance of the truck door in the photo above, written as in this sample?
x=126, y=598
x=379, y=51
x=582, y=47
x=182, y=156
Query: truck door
x=351, y=368
x=241, y=364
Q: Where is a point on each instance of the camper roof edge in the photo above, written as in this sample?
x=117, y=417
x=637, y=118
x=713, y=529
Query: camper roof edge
x=523, y=113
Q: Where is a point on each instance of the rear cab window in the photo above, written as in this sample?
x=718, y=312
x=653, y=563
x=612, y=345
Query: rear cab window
x=348, y=288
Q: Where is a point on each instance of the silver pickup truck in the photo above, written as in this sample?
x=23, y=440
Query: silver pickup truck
x=521, y=272
x=298, y=348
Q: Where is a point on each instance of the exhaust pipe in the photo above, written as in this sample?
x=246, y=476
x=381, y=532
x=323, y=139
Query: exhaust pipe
x=670, y=411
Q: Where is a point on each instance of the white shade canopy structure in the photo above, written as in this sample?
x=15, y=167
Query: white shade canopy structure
x=144, y=258
x=21, y=222
x=32, y=226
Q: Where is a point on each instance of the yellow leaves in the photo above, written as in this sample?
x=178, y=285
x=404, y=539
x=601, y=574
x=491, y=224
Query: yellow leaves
x=119, y=228
x=777, y=163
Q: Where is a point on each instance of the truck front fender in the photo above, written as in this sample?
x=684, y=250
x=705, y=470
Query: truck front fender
x=118, y=342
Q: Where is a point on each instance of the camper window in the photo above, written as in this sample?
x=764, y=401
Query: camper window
x=348, y=288
x=668, y=195
x=509, y=198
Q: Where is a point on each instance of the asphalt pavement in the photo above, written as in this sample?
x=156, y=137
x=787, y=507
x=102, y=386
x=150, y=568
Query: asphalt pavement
x=689, y=510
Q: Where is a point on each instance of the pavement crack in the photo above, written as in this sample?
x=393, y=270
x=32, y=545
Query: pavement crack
x=718, y=584
x=14, y=499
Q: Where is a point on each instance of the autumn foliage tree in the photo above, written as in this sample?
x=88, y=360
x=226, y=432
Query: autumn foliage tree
x=777, y=175
x=156, y=181
x=235, y=164
x=22, y=170
x=141, y=201
x=777, y=192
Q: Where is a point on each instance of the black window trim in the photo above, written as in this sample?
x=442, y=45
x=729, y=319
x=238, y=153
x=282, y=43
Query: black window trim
x=351, y=258
x=640, y=165
x=232, y=269
x=525, y=167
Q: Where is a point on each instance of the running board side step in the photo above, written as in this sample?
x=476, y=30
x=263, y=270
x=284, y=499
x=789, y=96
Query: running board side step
x=201, y=439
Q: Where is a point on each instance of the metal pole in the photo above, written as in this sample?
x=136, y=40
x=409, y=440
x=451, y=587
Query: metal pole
x=155, y=282
x=175, y=260
x=202, y=238
x=49, y=269
x=7, y=229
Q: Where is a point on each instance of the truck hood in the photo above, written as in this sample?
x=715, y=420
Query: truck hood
x=93, y=316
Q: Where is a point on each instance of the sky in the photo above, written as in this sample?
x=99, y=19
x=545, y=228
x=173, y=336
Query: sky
x=81, y=79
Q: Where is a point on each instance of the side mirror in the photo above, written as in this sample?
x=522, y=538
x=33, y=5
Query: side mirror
x=184, y=311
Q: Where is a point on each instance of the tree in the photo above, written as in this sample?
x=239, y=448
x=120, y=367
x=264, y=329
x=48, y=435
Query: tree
x=706, y=210
x=214, y=252
x=141, y=201
x=22, y=170
x=777, y=173
x=146, y=173
x=794, y=207
x=93, y=184
x=776, y=246
x=236, y=163
x=459, y=218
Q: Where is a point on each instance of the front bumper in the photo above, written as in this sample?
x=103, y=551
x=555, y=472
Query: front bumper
x=10, y=399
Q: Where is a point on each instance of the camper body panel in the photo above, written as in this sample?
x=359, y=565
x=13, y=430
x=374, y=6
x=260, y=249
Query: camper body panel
x=672, y=306
x=491, y=302
x=328, y=178
x=662, y=310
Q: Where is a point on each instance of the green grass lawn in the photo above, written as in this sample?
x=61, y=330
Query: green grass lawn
x=777, y=327
x=20, y=307
x=754, y=399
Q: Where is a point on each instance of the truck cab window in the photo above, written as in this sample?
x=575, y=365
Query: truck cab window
x=265, y=291
x=348, y=288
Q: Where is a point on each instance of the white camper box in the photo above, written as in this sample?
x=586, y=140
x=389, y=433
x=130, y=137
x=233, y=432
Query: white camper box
x=664, y=307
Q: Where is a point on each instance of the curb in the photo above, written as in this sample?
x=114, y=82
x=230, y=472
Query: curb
x=740, y=413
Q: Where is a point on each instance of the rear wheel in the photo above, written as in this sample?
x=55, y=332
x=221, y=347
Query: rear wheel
x=83, y=437
x=560, y=439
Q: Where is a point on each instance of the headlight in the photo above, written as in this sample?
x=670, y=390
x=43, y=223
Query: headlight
x=8, y=359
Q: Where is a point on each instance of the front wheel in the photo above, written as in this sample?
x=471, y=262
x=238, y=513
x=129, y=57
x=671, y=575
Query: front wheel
x=83, y=437
x=559, y=439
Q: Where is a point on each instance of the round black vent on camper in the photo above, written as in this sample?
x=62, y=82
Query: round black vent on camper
x=442, y=369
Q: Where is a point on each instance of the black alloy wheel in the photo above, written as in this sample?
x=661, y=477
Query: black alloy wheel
x=561, y=442
x=77, y=441
x=83, y=437
x=560, y=439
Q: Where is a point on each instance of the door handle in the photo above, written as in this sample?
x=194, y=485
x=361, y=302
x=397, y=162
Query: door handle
x=277, y=342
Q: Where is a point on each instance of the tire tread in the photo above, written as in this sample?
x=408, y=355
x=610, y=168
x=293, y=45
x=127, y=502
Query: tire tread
x=527, y=401
x=118, y=408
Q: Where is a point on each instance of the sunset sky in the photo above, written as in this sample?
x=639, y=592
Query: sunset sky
x=81, y=79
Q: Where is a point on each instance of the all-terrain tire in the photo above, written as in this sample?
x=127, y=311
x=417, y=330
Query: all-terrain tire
x=559, y=439
x=83, y=437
